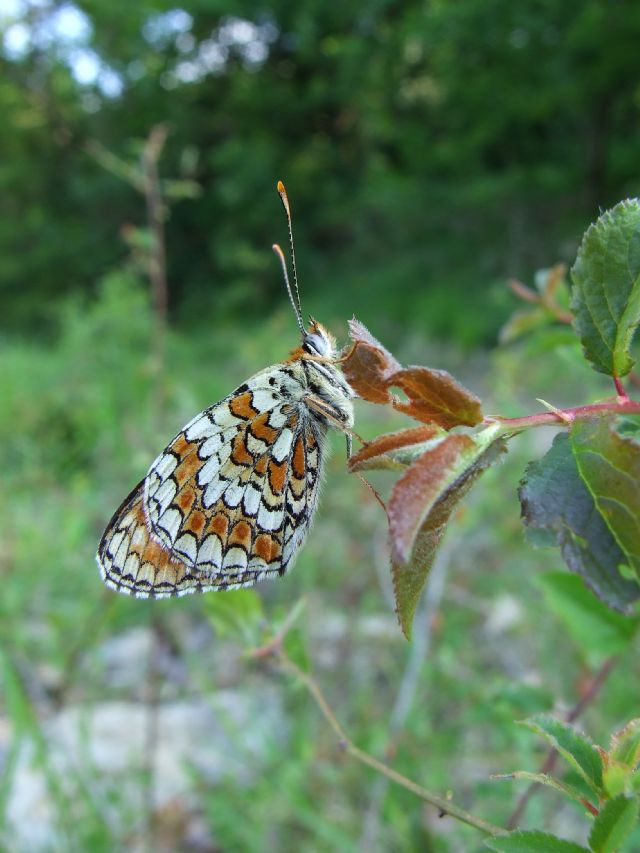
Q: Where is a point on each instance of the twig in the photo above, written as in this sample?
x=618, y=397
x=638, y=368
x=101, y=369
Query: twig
x=552, y=756
x=429, y=605
x=157, y=262
x=620, y=390
x=275, y=644
x=152, y=733
x=446, y=807
x=559, y=416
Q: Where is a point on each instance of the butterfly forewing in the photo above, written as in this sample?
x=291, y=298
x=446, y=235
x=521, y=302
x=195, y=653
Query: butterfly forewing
x=229, y=501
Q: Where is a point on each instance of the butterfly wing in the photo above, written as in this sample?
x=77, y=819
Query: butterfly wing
x=228, y=502
x=131, y=561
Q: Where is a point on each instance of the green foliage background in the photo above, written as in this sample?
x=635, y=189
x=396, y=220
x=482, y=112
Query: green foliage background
x=402, y=129
x=430, y=151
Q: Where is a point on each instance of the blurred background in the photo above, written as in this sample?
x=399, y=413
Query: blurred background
x=431, y=150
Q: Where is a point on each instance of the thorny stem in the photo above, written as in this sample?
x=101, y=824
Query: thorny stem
x=559, y=417
x=446, y=807
x=550, y=761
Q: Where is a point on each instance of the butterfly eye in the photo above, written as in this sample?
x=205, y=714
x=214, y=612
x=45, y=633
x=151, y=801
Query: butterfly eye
x=316, y=344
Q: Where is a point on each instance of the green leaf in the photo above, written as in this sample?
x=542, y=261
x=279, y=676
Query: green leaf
x=617, y=779
x=421, y=504
x=532, y=842
x=575, y=747
x=625, y=744
x=614, y=824
x=523, y=322
x=596, y=629
x=555, y=499
x=606, y=293
x=543, y=779
x=609, y=464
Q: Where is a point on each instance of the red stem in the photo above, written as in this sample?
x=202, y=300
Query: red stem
x=567, y=416
x=620, y=388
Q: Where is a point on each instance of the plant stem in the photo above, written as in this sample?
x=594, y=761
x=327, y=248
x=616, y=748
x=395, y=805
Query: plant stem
x=561, y=417
x=620, y=390
x=157, y=263
x=420, y=647
x=446, y=807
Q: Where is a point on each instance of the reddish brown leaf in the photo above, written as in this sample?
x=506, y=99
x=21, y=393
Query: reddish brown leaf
x=386, y=444
x=421, y=504
x=409, y=578
x=368, y=365
x=436, y=397
x=358, y=332
x=415, y=493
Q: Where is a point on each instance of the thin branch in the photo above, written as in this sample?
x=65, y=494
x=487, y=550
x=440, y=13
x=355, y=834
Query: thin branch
x=620, y=389
x=552, y=756
x=563, y=416
x=420, y=646
x=445, y=807
x=157, y=262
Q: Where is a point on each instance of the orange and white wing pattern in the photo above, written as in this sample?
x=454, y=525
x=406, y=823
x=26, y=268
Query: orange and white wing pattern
x=230, y=500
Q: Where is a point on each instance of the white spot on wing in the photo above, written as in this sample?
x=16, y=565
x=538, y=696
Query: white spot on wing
x=223, y=416
x=210, y=553
x=235, y=558
x=255, y=446
x=116, y=541
x=165, y=495
x=200, y=427
x=251, y=500
x=120, y=555
x=138, y=537
x=215, y=488
x=186, y=546
x=210, y=446
x=233, y=494
x=164, y=465
x=263, y=399
x=282, y=446
x=269, y=520
x=170, y=522
x=131, y=565
x=208, y=471
x=277, y=418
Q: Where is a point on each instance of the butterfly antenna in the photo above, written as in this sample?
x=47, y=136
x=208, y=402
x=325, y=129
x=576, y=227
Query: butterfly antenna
x=296, y=308
x=287, y=209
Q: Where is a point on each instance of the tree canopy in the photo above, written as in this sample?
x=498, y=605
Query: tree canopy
x=402, y=130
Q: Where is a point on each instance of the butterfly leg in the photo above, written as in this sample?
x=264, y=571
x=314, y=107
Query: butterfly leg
x=335, y=417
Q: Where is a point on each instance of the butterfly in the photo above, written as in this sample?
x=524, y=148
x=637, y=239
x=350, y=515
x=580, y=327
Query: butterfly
x=231, y=498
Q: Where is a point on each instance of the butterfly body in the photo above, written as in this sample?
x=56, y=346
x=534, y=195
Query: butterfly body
x=230, y=500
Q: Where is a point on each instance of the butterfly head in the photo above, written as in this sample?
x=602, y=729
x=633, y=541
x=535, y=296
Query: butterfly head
x=317, y=341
